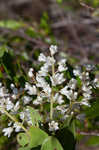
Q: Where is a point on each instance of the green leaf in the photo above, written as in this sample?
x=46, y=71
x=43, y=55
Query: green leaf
x=93, y=111
x=24, y=148
x=66, y=138
x=51, y=143
x=67, y=121
x=37, y=136
x=8, y=64
x=1, y=74
x=37, y=148
x=22, y=139
x=59, y=1
x=72, y=128
x=11, y=24
x=3, y=49
x=35, y=115
x=79, y=82
x=31, y=32
x=93, y=141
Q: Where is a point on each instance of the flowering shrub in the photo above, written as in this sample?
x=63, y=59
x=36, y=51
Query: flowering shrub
x=49, y=104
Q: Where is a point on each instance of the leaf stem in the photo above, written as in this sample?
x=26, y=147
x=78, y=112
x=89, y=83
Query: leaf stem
x=15, y=120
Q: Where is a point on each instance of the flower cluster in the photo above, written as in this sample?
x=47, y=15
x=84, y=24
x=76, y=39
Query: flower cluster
x=49, y=87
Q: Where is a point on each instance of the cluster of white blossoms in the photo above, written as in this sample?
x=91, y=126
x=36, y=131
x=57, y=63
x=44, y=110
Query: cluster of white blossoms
x=6, y=100
x=7, y=105
x=53, y=126
x=49, y=85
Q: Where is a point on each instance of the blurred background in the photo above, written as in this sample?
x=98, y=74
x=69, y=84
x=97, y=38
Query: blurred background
x=74, y=23
x=71, y=24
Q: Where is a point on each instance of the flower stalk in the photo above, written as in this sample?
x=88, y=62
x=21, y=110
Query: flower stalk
x=52, y=95
x=15, y=120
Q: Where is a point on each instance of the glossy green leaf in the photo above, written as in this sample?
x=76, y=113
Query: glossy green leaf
x=37, y=136
x=51, y=143
x=66, y=138
x=72, y=128
x=22, y=139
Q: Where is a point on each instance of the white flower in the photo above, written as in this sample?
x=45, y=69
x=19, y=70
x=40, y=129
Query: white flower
x=30, y=73
x=3, y=92
x=15, y=91
x=28, y=117
x=43, y=84
x=89, y=67
x=96, y=83
x=10, y=123
x=38, y=101
x=62, y=68
x=75, y=94
x=17, y=127
x=9, y=104
x=31, y=90
x=53, y=49
x=71, y=95
x=77, y=72
x=43, y=95
x=84, y=76
x=27, y=99
x=62, y=65
x=42, y=58
x=62, y=109
x=84, y=102
x=16, y=106
x=87, y=89
x=40, y=81
x=50, y=61
x=7, y=131
x=47, y=90
x=53, y=126
x=58, y=98
x=86, y=95
x=22, y=115
x=12, y=85
x=0, y=84
x=57, y=79
x=43, y=70
x=62, y=62
x=72, y=83
x=14, y=96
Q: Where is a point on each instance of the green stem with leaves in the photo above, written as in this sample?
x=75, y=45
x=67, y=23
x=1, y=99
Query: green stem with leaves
x=15, y=120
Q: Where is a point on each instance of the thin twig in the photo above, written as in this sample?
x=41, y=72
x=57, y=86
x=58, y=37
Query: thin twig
x=88, y=133
x=86, y=6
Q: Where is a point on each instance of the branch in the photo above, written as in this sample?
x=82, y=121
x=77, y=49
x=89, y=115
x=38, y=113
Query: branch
x=88, y=133
x=86, y=6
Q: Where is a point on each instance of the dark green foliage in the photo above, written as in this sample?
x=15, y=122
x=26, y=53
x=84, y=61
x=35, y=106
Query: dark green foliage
x=7, y=61
x=93, y=111
x=66, y=138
